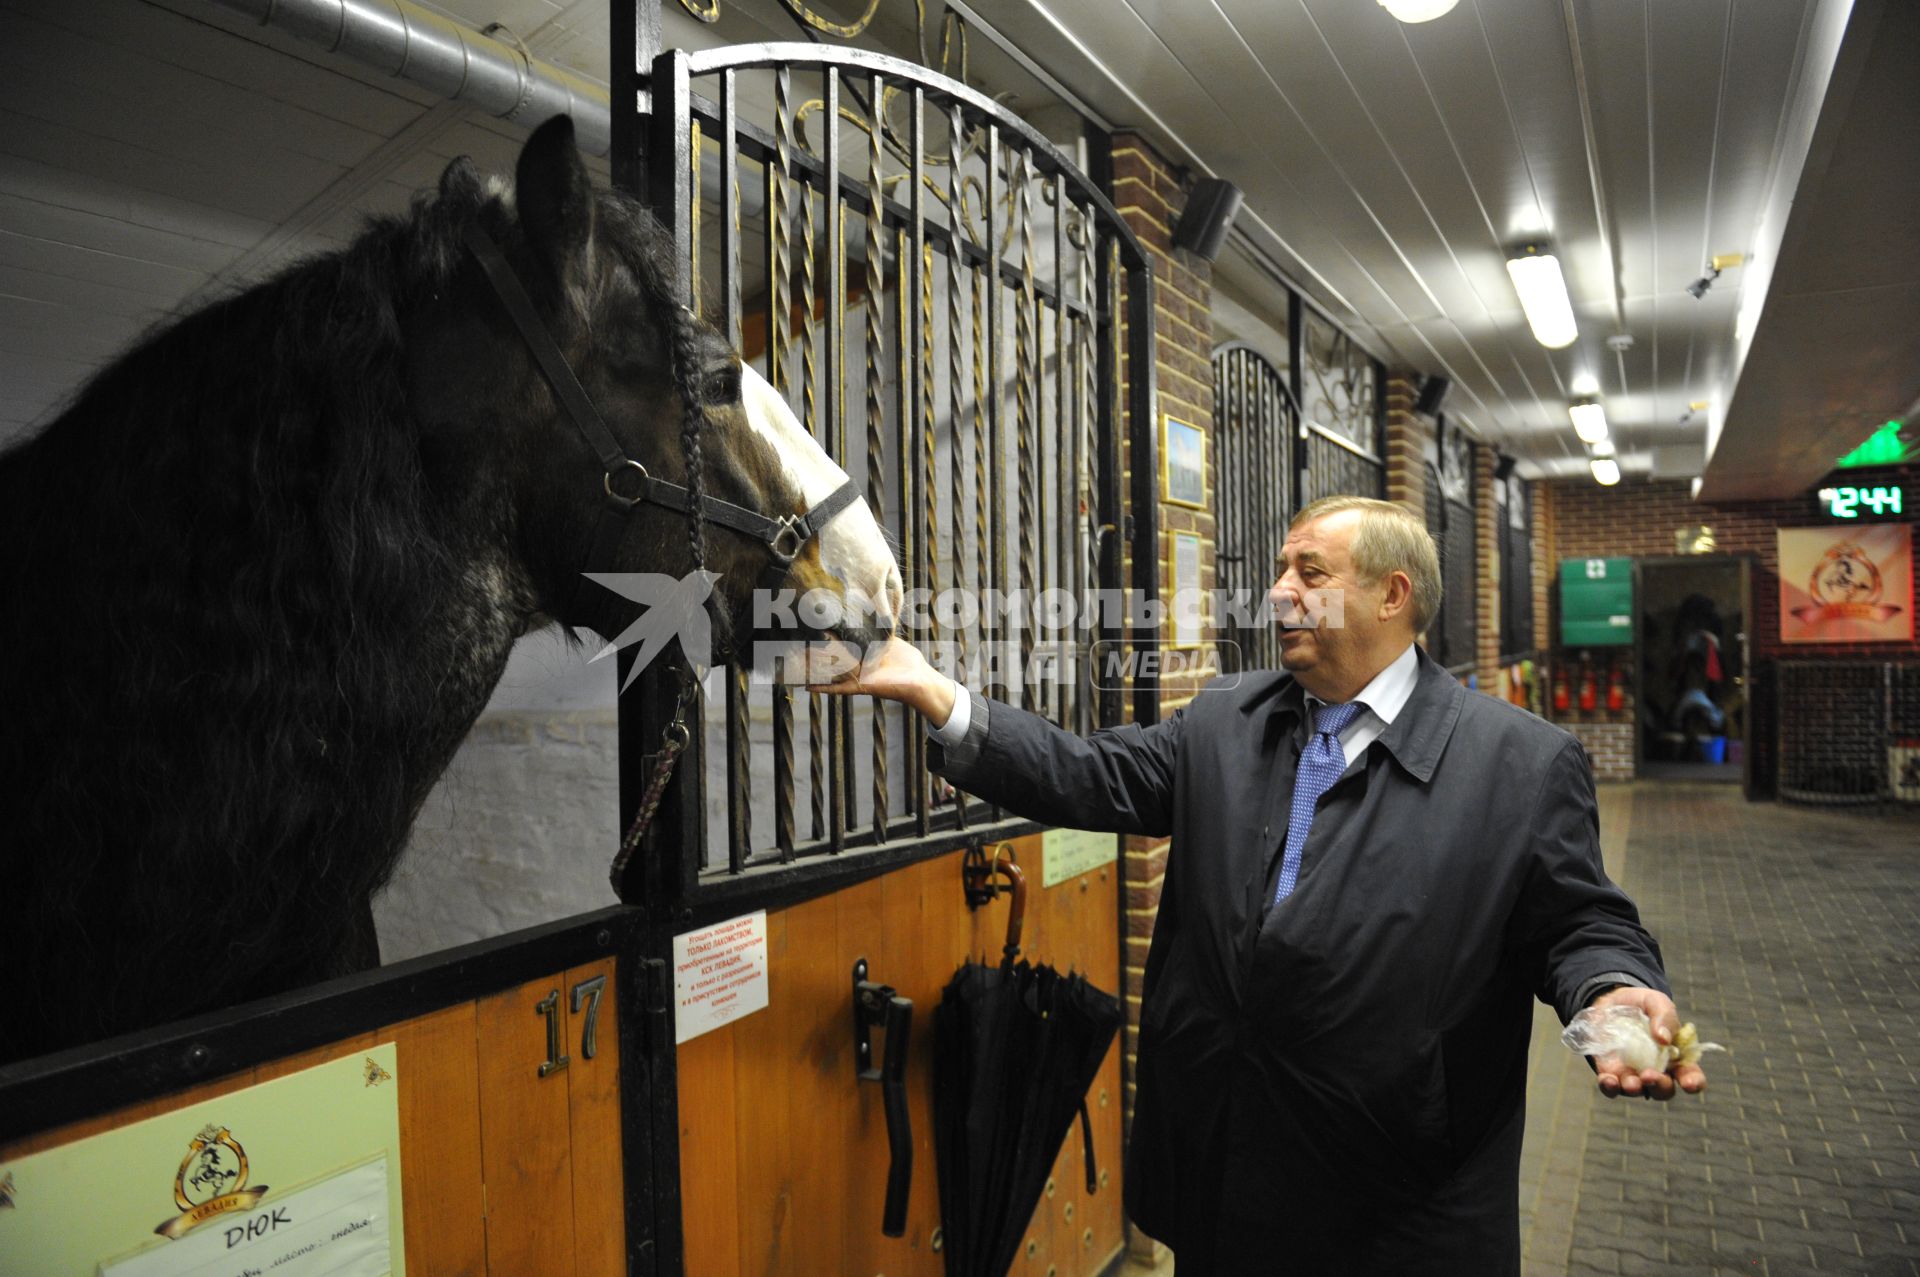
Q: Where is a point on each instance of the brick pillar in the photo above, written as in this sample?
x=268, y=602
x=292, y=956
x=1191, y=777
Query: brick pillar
x=1150, y=197
x=1407, y=436
x=1544, y=565
x=1486, y=554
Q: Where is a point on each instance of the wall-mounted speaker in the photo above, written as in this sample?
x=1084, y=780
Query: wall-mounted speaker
x=1208, y=217
x=1503, y=468
x=1433, y=393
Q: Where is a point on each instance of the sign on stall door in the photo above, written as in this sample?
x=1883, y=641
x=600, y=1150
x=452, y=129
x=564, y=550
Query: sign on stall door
x=719, y=975
x=295, y=1177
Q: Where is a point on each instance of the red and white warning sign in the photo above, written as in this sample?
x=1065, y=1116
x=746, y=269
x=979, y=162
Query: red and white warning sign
x=719, y=974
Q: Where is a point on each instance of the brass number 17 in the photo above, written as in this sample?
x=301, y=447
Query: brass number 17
x=587, y=991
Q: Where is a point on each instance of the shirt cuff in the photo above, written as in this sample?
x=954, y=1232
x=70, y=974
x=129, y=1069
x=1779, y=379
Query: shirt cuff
x=954, y=730
x=1594, y=986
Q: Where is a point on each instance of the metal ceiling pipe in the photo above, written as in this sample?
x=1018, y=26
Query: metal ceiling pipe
x=418, y=45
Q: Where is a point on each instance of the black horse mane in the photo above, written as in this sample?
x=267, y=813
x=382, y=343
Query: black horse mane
x=252, y=611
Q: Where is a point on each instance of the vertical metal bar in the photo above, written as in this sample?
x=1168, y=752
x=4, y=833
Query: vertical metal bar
x=1112, y=488
x=1296, y=377
x=876, y=407
x=841, y=735
x=1088, y=508
x=957, y=277
x=1143, y=407
x=682, y=820
x=693, y=215
x=996, y=416
x=810, y=403
x=729, y=211
x=906, y=472
x=923, y=383
x=1025, y=406
x=779, y=346
x=739, y=707
x=984, y=582
x=1062, y=444
x=818, y=707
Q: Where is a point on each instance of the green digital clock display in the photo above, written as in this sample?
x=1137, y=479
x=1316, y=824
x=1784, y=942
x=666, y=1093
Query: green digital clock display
x=1876, y=502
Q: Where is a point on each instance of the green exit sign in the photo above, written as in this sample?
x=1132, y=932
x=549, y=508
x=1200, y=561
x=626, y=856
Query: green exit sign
x=1596, y=602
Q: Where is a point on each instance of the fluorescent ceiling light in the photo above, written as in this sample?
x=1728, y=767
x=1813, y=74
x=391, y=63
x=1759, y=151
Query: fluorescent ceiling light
x=1418, y=10
x=1602, y=447
x=1606, y=471
x=1585, y=383
x=1543, y=295
x=1589, y=421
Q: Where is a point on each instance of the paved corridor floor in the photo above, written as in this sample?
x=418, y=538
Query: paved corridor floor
x=1792, y=935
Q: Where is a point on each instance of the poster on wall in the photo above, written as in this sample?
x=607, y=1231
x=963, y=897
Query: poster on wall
x=1846, y=585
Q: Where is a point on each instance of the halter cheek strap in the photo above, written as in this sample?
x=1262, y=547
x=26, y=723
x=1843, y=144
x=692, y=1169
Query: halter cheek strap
x=625, y=482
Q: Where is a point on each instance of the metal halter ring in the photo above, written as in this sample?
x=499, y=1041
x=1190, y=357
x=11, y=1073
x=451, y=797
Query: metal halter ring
x=787, y=541
x=606, y=481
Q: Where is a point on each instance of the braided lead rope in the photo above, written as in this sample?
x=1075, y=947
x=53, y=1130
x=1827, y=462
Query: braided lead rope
x=672, y=744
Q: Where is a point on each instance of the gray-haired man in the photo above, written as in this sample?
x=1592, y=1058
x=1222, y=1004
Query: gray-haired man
x=1372, y=874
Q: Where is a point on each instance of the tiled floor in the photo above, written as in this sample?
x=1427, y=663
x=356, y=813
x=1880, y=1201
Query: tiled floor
x=1793, y=936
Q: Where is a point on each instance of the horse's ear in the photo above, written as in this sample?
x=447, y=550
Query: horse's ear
x=459, y=178
x=554, y=196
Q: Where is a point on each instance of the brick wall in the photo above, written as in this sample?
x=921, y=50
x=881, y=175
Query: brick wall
x=1407, y=436
x=1638, y=518
x=1486, y=554
x=1150, y=197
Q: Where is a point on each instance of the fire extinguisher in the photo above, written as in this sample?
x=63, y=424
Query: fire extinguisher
x=1616, y=691
x=1561, y=700
x=1588, y=699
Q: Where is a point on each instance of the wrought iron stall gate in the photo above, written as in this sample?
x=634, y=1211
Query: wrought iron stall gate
x=1255, y=420
x=958, y=352
x=1342, y=395
x=1449, y=511
x=1285, y=441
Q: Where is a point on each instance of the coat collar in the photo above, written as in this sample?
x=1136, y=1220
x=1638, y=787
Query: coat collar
x=1417, y=736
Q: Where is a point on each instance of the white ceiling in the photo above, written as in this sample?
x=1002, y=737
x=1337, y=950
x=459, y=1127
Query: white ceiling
x=150, y=152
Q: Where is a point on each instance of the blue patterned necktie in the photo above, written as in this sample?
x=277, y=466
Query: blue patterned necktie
x=1321, y=763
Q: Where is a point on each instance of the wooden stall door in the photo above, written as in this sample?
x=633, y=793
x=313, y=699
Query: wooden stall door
x=504, y=1171
x=783, y=1154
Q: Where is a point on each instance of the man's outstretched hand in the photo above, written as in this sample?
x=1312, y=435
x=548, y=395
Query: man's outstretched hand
x=1616, y=1078
x=896, y=671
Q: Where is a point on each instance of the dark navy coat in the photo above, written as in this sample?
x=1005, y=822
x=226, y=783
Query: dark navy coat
x=1336, y=1084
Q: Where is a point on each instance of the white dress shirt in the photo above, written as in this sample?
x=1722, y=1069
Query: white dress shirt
x=954, y=730
x=1383, y=698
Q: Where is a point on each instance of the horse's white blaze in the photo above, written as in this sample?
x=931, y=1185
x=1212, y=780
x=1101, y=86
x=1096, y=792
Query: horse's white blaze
x=851, y=546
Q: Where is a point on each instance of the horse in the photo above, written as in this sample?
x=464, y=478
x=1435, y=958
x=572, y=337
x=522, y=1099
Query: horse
x=264, y=570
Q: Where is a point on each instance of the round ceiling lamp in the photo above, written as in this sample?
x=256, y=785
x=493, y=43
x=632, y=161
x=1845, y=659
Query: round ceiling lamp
x=1418, y=10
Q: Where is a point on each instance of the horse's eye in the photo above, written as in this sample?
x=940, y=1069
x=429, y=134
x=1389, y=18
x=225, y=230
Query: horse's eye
x=722, y=386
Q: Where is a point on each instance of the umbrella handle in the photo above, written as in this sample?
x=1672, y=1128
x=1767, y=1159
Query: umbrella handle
x=1017, y=917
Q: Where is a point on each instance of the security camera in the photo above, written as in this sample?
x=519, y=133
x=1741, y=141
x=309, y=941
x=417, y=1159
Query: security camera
x=1700, y=286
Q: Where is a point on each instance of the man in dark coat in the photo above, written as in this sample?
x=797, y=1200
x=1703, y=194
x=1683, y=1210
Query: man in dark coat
x=1333, y=1040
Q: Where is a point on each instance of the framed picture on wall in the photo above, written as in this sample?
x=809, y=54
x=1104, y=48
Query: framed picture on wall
x=1846, y=584
x=1183, y=463
x=1185, y=602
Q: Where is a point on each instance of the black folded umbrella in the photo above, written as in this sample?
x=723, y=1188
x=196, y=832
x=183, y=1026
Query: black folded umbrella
x=1015, y=1049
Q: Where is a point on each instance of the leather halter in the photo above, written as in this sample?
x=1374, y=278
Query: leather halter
x=625, y=482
